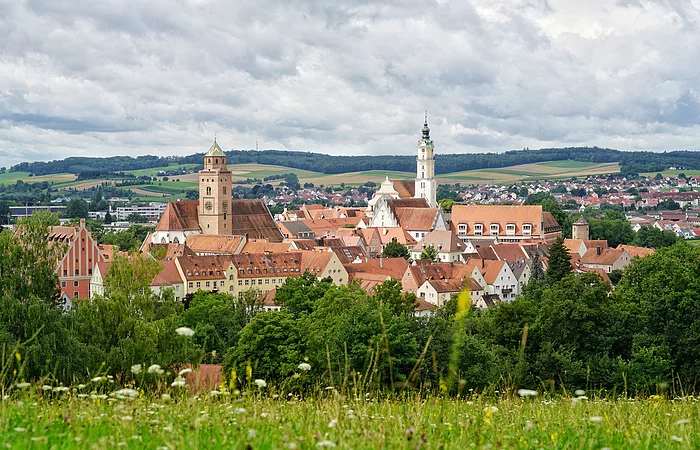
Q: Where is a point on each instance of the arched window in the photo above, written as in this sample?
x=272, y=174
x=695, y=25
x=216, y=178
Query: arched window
x=224, y=190
x=208, y=190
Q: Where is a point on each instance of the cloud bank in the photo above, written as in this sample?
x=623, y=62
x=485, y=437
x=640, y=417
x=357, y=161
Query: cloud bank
x=163, y=77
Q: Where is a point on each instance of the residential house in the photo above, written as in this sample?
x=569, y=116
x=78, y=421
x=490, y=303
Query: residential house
x=504, y=223
x=260, y=272
x=608, y=259
x=448, y=246
x=203, y=272
x=324, y=264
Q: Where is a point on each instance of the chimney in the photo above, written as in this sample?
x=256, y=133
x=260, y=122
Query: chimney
x=381, y=262
x=82, y=223
x=597, y=250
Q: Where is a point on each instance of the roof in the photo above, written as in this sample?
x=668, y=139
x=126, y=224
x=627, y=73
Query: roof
x=368, y=281
x=251, y=217
x=304, y=244
x=442, y=240
x=405, y=188
x=607, y=257
x=172, y=251
x=349, y=254
x=388, y=234
x=315, y=262
x=416, y=218
x=212, y=243
x=498, y=214
x=550, y=223
x=518, y=267
x=581, y=221
x=396, y=203
x=265, y=246
x=168, y=275
x=424, y=305
x=509, y=251
x=62, y=233
x=215, y=150
x=180, y=216
x=260, y=265
x=210, y=267
x=393, y=267
x=296, y=227
x=636, y=251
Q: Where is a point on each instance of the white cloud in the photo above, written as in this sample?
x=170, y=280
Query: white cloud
x=161, y=77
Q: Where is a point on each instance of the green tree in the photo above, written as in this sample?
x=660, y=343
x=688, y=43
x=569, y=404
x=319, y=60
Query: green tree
x=108, y=218
x=136, y=218
x=395, y=249
x=652, y=237
x=77, y=208
x=537, y=271
x=559, y=262
x=429, y=253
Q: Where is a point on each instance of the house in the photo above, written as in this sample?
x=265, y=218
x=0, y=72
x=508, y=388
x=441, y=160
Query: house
x=392, y=267
x=439, y=291
x=216, y=244
x=97, y=281
x=169, y=278
x=296, y=230
x=581, y=246
x=413, y=215
x=203, y=272
x=608, y=259
x=260, y=272
x=635, y=251
x=504, y=223
x=448, y=246
x=424, y=308
x=324, y=264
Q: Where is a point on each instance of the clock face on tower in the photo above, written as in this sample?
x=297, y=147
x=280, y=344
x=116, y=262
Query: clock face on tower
x=224, y=205
x=208, y=205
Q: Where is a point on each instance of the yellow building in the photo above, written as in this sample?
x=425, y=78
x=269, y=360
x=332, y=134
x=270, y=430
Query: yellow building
x=260, y=272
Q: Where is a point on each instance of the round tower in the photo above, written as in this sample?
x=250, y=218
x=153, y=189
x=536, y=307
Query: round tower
x=580, y=229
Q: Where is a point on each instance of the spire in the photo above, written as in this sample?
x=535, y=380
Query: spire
x=215, y=150
x=426, y=130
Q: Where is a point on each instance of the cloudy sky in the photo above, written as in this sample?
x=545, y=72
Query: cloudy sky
x=99, y=78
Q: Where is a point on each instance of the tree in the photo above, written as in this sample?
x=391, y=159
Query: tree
x=446, y=204
x=559, y=262
x=537, y=271
x=613, y=227
x=108, y=218
x=4, y=213
x=395, y=249
x=658, y=177
x=429, y=253
x=77, y=208
x=652, y=237
x=136, y=218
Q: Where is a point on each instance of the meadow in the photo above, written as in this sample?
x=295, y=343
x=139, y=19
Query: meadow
x=95, y=417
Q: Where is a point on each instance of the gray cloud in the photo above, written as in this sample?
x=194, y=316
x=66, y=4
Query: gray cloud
x=162, y=77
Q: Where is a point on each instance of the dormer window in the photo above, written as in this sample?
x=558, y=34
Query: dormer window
x=494, y=229
x=478, y=229
x=527, y=229
x=462, y=229
x=510, y=229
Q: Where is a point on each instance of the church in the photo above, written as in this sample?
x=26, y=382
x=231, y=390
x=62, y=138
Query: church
x=411, y=205
x=215, y=213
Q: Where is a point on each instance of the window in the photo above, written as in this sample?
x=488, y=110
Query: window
x=510, y=229
x=199, y=284
x=224, y=189
x=280, y=281
x=267, y=281
x=462, y=229
x=230, y=277
x=191, y=284
x=230, y=288
x=274, y=281
x=240, y=282
x=478, y=229
x=89, y=271
x=494, y=229
x=527, y=229
x=77, y=272
x=208, y=190
x=75, y=294
x=63, y=284
x=75, y=283
x=65, y=272
x=252, y=282
x=246, y=282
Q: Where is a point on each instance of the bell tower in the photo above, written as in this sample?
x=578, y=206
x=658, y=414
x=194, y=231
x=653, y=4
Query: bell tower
x=215, y=193
x=426, y=185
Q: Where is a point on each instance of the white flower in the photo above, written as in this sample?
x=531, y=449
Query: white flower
x=241, y=411
x=682, y=422
x=81, y=386
x=136, y=369
x=333, y=423
x=260, y=383
x=20, y=429
x=493, y=409
x=130, y=393
x=264, y=415
x=185, y=371
x=179, y=382
x=165, y=397
x=580, y=392
x=46, y=387
x=322, y=444
x=127, y=418
x=251, y=434
x=676, y=438
x=596, y=419
x=155, y=368
x=22, y=385
x=214, y=393
x=184, y=331
x=98, y=379
x=527, y=393
x=305, y=367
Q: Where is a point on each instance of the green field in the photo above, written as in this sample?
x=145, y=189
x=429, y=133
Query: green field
x=152, y=172
x=13, y=177
x=673, y=173
x=567, y=164
x=96, y=417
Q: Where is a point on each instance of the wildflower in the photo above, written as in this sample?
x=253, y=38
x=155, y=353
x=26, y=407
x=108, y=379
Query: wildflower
x=527, y=393
x=165, y=397
x=305, y=367
x=46, y=387
x=155, y=368
x=214, y=393
x=580, y=392
x=528, y=425
x=20, y=429
x=410, y=434
x=264, y=415
x=596, y=419
x=98, y=379
x=81, y=386
x=179, y=382
x=130, y=393
x=491, y=409
x=185, y=371
x=22, y=385
x=682, y=422
x=333, y=423
x=676, y=438
x=260, y=383
x=184, y=331
x=136, y=369
x=251, y=434
x=325, y=443
x=127, y=418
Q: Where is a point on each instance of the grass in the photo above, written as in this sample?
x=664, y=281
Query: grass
x=13, y=177
x=259, y=420
x=673, y=173
x=152, y=172
x=567, y=164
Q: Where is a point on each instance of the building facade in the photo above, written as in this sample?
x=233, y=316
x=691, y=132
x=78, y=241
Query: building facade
x=215, y=193
x=426, y=185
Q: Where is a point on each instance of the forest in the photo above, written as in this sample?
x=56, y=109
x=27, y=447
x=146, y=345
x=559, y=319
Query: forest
x=565, y=332
x=630, y=162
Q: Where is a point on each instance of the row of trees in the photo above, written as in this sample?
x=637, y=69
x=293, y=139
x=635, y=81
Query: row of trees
x=566, y=331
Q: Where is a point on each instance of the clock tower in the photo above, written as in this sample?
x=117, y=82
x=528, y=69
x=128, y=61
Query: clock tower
x=215, y=193
x=426, y=185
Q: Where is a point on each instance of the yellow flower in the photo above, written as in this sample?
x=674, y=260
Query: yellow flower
x=18, y=356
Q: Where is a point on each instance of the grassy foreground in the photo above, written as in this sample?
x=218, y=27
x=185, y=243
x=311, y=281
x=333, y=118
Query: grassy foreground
x=58, y=420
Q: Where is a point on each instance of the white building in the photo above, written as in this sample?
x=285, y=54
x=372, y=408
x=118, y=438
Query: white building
x=152, y=211
x=426, y=185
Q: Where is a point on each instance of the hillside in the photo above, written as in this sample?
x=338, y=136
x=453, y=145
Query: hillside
x=327, y=164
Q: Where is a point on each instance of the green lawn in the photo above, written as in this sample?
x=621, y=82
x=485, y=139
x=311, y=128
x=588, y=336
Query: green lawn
x=96, y=417
x=152, y=172
x=567, y=164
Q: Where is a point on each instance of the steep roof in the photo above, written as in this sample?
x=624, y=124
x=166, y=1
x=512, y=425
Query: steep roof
x=396, y=203
x=509, y=251
x=416, y=218
x=252, y=218
x=388, y=234
x=212, y=243
x=606, y=257
x=550, y=223
x=315, y=261
x=405, y=188
x=214, y=150
x=263, y=265
x=636, y=251
x=498, y=214
x=168, y=275
x=442, y=240
x=349, y=254
x=180, y=216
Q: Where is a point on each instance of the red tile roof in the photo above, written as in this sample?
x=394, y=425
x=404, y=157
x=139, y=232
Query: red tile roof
x=180, y=216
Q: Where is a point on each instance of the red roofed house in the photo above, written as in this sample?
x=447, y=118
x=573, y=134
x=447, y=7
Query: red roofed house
x=504, y=223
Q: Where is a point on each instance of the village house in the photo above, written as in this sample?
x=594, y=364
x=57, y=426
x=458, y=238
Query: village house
x=607, y=259
x=448, y=246
x=203, y=272
x=260, y=273
x=504, y=223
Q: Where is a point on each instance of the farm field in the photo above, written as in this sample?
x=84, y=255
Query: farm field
x=152, y=172
x=673, y=173
x=13, y=177
x=51, y=419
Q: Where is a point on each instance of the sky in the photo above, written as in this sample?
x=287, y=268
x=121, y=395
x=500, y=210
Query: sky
x=103, y=78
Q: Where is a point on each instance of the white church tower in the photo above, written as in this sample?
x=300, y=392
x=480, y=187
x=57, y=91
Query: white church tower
x=426, y=185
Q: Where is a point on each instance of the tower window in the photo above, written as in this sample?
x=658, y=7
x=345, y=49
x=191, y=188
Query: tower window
x=208, y=190
x=224, y=189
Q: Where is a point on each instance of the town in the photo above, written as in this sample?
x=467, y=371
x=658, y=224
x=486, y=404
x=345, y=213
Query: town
x=435, y=240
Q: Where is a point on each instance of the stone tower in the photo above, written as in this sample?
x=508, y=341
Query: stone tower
x=426, y=185
x=215, y=193
x=580, y=229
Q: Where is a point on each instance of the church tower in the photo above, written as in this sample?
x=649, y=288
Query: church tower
x=215, y=193
x=426, y=185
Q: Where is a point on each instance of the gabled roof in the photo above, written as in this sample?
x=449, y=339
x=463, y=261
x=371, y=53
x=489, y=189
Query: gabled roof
x=172, y=251
x=416, y=218
x=296, y=227
x=405, y=188
x=636, y=251
x=388, y=234
x=498, y=214
x=550, y=223
x=395, y=204
x=212, y=243
x=251, y=218
x=168, y=275
x=304, y=244
x=606, y=257
x=264, y=265
x=509, y=251
x=393, y=267
x=180, y=216
x=203, y=267
x=443, y=241
x=315, y=261
x=265, y=246
x=349, y=254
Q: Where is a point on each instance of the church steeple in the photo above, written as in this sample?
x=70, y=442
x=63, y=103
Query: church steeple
x=426, y=130
x=426, y=185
